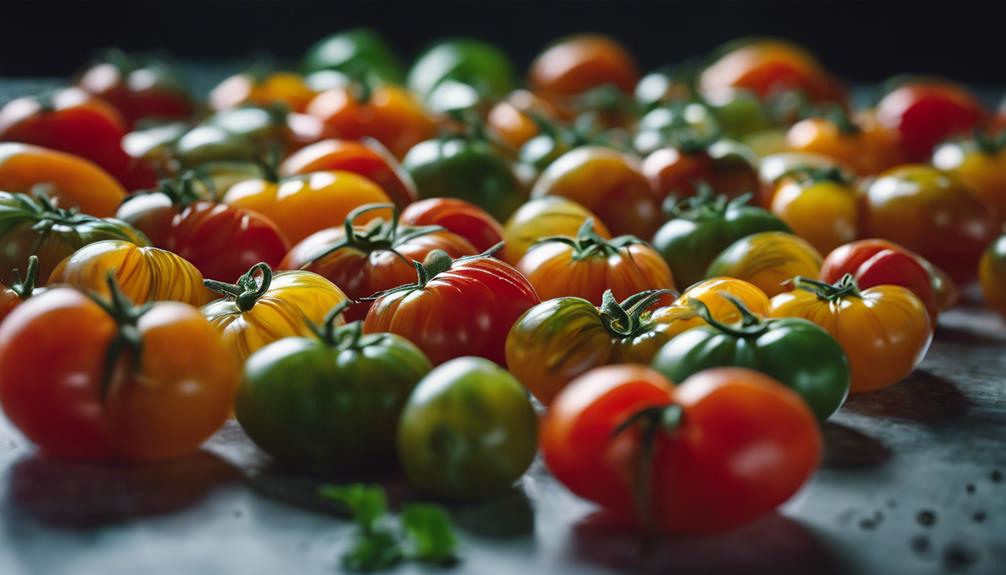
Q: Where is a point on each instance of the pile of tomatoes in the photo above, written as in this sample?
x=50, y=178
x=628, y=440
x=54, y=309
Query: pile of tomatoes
x=664, y=283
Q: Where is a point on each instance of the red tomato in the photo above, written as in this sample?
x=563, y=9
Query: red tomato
x=456, y=308
x=457, y=216
x=679, y=171
x=580, y=63
x=138, y=88
x=721, y=449
x=925, y=113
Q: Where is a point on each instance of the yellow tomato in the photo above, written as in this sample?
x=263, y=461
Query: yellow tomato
x=768, y=260
x=682, y=317
x=992, y=274
x=823, y=212
x=548, y=216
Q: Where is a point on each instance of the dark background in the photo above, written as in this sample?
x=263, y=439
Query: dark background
x=862, y=41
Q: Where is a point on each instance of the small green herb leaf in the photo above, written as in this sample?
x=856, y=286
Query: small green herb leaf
x=428, y=534
x=367, y=503
x=373, y=551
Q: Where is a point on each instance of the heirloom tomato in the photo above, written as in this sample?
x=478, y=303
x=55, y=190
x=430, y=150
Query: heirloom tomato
x=352, y=52
x=466, y=61
x=767, y=260
x=588, y=265
x=35, y=227
x=468, y=431
x=516, y=118
x=820, y=206
x=609, y=184
x=932, y=213
x=89, y=378
x=860, y=143
x=928, y=111
x=331, y=402
x=677, y=123
x=796, y=351
x=20, y=288
x=980, y=163
x=260, y=88
x=773, y=168
x=885, y=330
x=368, y=158
x=456, y=307
x=992, y=273
x=458, y=217
x=682, y=315
x=718, y=450
x=302, y=205
x=70, y=181
x=702, y=226
x=367, y=259
x=261, y=308
x=678, y=172
x=144, y=274
x=544, y=217
x=139, y=87
x=578, y=64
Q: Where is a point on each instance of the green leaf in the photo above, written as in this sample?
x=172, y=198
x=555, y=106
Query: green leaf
x=373, y=551
x=428, y=533
x=367, y=503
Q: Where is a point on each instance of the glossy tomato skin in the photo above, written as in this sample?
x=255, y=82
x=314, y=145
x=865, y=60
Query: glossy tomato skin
x=138, y=89
x=925, y=113
x=609, y=184
x=368, y=159
x=884, y=330
x=712, y=473
x=578, y=64
x=458, y=217
x=767, y=260
x=724, y=166
x=284, y=88
x=823, y=212
x=981, y=167
x=165, y=405
x=512, y=119
x=992, y=273
x=70, y=181
x=466, y=61
x=865, y=146
x=467, y=454
x=931, y=213
x=353, y=50
x=543, y=217
x=493, y=295
x=144, y=274
x=681, y=315
x=776, y=168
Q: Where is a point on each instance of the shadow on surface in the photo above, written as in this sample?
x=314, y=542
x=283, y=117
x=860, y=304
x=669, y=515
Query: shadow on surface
x=849, y=448
x=509, y=515
x=922, y=396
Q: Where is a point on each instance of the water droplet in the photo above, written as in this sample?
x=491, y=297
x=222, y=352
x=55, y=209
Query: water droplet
x=926, y=518
x=970, y=487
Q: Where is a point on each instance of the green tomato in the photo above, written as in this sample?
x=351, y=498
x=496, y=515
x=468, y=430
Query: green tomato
x=466, y=168
x=354, y=52
x=702, y=227
x=739, y=112
x=329, y=404
x=252, y=122
x=662, y=125
x=213, y=144
x=797, y=352
x=468, y=432
x=473, y=62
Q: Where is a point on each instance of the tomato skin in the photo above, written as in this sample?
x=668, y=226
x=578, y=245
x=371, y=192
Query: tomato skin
x=714, y=472
x=511, y=119
x=352, y=50
x=22, y=288
x=884, y=330
x=466, y=61
x=870, y=149
x=493, y=294
x=543, y=217
x=982, y=170
x=458, y=217
x=580, y=63
x=75, y=182
x=165, y=406
x=724, y=166
x=283, y=88
x=144, y=274
x=925, y=113
x=609, y=184
x=931, y=213
x=775, y=168
x=767, y=260
x=467, y=454
x=138, y=90
x=825, y=213
x=992, y=273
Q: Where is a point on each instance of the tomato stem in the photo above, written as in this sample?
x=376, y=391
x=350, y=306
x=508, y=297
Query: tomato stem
x=436, y=262
x=588, y=243
x=24, y=287
x=750, y=324
x=845, y=287
x=127, y=337
x=625, y=319
x=248, y=289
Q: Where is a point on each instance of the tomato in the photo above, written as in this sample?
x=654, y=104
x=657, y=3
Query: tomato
x=209, y=143
x=931, y=213
x=721, y=449
x=543, y=217
x=368, y=158
x=330, y=402
x=458, y=217
x=681, y=313
x=992, y=273
x=261, y=308
x=925, y=112
x=20, y=288
x=879, y=262
x=690, y=122
x=88, y=378
x=145, y=274
x=139, y=87
x=767, y=260
x=366, y=260
x=466, y=61
x=861, y=143
x=261, y=88
x=885, y=330
x=980, y=164
x=577, y=64
x=740, y=114
x=70, y=181
x=588, y=265
x=677, y=172
x=388, y=114
x=703, y=226
x=471, y=453
x=774, y=168
x=820, y=206
x=663, y=85
x=770, y=67
x=352, y=52
x=515, y=119
x=491, y=293
x=609, y=184
x=795, y=351
x=302, y=205
x=467, y=168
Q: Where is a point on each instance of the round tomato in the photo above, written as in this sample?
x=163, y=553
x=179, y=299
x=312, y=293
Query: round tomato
x=355, y=51
x=466, y=61
x=458, y=217
x=260, y=88
x=795, y=351
x=491, y=293
x=139, y=87
x=152, y=382
x=689, y=124
x=588, y=265
x=992, y=273
x=820, y=206
x=577, y=64
x=515, y=119
x=927, y=112
x=720, y=449
x=70, y=181
x=20, y=288
x=885, y=330
x=980, y=163
x=681, y=313
x=774, y=168
x=767, y=260
x=663, y=85
x=544, y=217
x=678, y=172
x=860, y=143
x=472, y=453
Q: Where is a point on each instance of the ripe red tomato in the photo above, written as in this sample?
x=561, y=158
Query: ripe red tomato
x=457, y=216
x=721, y=449
x=138, y=87
x=679, y=171
x=456, y=308
x=577, y=64
x=927, y=112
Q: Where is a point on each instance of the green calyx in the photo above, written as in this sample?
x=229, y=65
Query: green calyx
x=606, y=98
x=588, y=243
x=989, y=144
x=833, y=113
x=268, y=163
x=127, y=338
x=813, y=175
x=24, y=287
x=249, y=288
x=845, y=287
x=182, y=189
x=343, y=337
x=705, y=204
x=625, y=319
x=750, y=325
x=436, y=263
x=47, y=214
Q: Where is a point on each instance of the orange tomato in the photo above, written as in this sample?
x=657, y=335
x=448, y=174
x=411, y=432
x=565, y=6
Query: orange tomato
x=580, y=63
x=980, y=163
x=284, y=88
x=512, y=121
x=864, y=144
x=544, y=217
x=992, y=274
x=821, y=207
x=681, y=315
x=70, y=181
